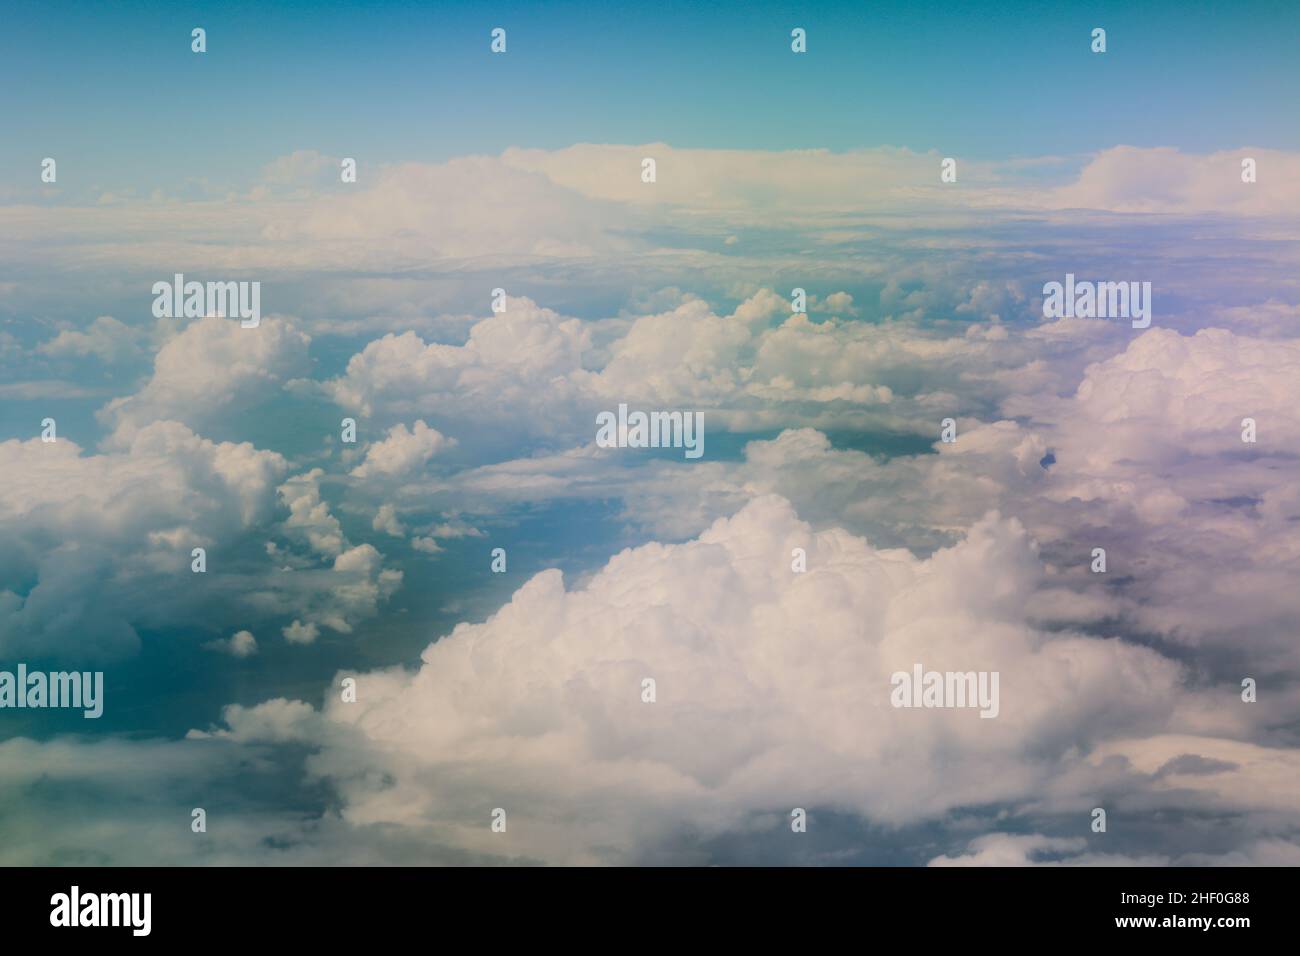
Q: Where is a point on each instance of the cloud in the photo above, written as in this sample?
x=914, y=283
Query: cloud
x=1149, y=454
x=402, y=452
x=1005, y=849
x=344, y=583
x=240, y=644
x=99, y=546
x=1207, y=771
x=212, y=369
x=738, y=185
x=273, y=721
x=999, y=849
x=47, y=388
x=310, y=519
x=1131, y=179
x=486, y=207
x=1122, y=687
x=586, y=203
x=1139, y=452
x=145, y=791
x=88, y=530
x=106, y=339
x=764, y=677
x=520, y=369
x=386, y=520
x=300, y=633
x=536, y=378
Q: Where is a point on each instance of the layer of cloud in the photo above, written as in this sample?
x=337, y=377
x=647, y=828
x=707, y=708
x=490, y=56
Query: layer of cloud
x=772, y=688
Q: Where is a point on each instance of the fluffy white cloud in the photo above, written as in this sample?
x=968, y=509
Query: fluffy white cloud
x=1130, y=179
x=1168, y=397
x=338, y=594
x=524, y=363
x=91, y=529
x=310, y=519
x=300, y=633
x=386, y=520
x=107, y=339
x=404, y=450
x=535, y=376
x=104, y=543
x=1141, y=454
x=1150, y=458
x=239, y=644
x=167, y=477
x=211, y=369
x=773, y=690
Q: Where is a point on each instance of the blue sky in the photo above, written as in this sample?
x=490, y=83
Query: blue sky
x=115, y=91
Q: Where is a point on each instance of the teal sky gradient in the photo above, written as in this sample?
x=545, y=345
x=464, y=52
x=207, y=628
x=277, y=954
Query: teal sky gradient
x=116, y=94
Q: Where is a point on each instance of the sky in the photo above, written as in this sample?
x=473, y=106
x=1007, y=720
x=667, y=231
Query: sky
x=411, y=81
x=456, y=613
